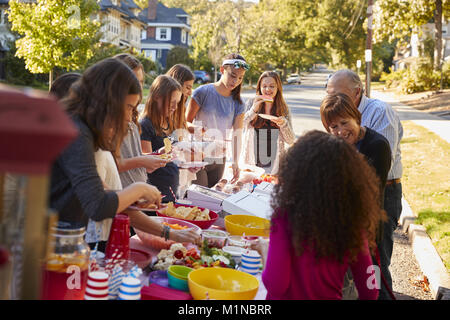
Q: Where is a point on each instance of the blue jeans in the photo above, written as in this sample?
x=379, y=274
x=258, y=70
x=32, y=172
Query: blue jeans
x=393, y=207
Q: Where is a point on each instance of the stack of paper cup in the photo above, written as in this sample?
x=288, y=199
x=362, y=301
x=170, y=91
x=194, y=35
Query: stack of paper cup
x=97, y=286
x=250, y=262
x=130, y=289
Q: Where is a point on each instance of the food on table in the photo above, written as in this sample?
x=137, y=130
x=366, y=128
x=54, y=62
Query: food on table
x=187, y=213
x=229, y=188
x=145, y=205
x=214, y=238
x=179, y=255
x=167, y=145
x=165, y=156
x=166, y=258
x=175, y=226
x=267, y=98
x=269, y=178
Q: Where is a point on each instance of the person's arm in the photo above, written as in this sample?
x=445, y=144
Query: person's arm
x=277, y=271
x=251, y=108
x=78, y=163
x=381, y=159
x=385, y=121
x=135, y=192
x=365, y=276
x=148, y=162
x=191, y=111
x=237, y=145
x=141, y=221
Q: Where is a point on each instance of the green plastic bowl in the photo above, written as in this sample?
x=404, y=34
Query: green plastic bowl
x=178, y=284
x=180, y=272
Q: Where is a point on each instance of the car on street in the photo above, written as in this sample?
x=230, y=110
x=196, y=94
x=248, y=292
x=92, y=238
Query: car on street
x=202, y=77
x=294, y=78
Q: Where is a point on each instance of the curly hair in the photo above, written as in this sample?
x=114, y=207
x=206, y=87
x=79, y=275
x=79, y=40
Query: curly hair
x=330, y=196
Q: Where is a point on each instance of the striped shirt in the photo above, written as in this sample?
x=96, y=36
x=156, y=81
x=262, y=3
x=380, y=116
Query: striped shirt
x=380, y=117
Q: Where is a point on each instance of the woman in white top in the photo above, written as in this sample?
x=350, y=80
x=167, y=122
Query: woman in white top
x=267, y=124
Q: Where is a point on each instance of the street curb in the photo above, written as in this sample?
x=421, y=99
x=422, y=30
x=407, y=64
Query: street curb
x=426, y=255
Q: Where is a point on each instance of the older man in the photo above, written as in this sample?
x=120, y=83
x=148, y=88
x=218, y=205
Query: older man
x=378, y=116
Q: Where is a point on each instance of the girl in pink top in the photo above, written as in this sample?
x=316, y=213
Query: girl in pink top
x=326, y=215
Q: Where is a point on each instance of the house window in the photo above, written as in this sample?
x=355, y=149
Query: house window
x=150, y=54
x=144, y=34
x=158, y=55
x=163, y=34
x=183, y=36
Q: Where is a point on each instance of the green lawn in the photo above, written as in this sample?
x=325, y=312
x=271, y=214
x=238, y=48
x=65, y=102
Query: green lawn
x=426, y=183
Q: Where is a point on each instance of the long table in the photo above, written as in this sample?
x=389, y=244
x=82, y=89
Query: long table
x=136, y=243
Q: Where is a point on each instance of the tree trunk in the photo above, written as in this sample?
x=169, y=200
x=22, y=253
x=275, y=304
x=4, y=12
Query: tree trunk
x=50, y=79
x=438, y=35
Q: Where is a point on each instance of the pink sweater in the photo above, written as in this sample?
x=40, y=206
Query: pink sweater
x=287, y=276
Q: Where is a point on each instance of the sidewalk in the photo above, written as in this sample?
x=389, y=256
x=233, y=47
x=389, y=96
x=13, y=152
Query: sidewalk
x=426, y=255
x=438, y=125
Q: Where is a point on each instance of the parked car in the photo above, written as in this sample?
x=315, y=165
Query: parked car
x=202, y=77
x=294, y=78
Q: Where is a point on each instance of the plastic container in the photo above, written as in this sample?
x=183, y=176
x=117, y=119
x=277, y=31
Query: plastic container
x=236, y=252
x=119, y=237
x=178, y=284
x=180, y=272
x=201, y=224
x=215, y=238
x=239, y=224
x=222, y=284
x=159, y=277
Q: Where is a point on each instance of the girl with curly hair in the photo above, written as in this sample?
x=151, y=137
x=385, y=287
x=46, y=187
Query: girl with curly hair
x=326, y=212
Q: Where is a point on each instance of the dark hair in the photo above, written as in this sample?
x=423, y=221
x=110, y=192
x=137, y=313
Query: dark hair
x=330, y=196
x=98, y=98
x=338, y=105
x=61, y=85
x=236, y=93
x=161, y=88
x=181, y=73
x=279, y=105
x=133, y=63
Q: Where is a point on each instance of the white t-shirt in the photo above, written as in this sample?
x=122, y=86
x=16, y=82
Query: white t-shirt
x=107, y=170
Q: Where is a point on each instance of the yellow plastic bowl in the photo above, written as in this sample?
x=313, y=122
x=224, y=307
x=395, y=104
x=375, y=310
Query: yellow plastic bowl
x=238, y=224
x=222, y=284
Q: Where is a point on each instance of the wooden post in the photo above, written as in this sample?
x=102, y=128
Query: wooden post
x=368, y=53
x=35, y=235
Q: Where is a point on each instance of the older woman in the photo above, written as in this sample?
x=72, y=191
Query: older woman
x=267, y=124
x=342, y=118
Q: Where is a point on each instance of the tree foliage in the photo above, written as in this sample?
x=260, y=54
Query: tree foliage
x=54, y=33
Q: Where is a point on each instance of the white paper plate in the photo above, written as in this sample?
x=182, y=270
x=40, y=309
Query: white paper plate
x=146, y=209
x=194, y=164
x=267, y=116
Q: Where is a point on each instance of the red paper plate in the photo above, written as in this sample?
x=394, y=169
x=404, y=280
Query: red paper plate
x=202, y=224
x=141, y=258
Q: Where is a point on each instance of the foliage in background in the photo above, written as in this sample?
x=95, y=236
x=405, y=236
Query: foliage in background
x=178, y=55
x=54, y=33
x=420, y=76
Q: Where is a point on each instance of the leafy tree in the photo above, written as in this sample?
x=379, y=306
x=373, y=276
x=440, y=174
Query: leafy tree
x=397, y=20
x=178, y=55
x=54, y=33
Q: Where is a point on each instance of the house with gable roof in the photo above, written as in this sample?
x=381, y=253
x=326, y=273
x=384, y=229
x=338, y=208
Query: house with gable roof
x=166, y=28
x=122, y=24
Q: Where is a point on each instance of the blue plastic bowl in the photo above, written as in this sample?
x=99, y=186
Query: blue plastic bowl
x=178, y=284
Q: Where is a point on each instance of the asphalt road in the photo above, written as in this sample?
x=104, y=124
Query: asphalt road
x=304, y=102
